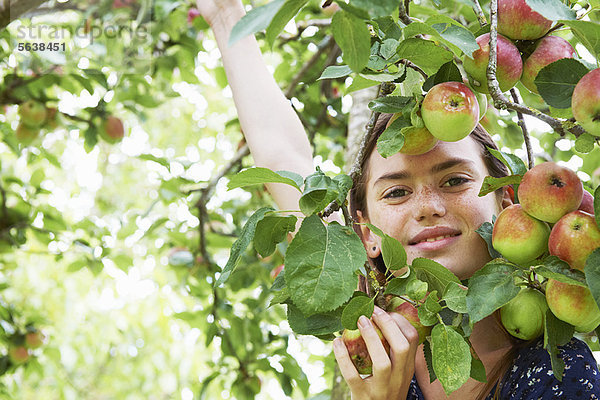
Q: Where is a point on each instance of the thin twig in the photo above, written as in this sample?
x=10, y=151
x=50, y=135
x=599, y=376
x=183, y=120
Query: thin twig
x=479, y=13
x=325, y=45
x=523, y=126
x=403, y=13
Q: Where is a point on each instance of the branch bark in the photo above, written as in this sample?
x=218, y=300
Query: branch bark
x=10, y=10
x=523, y=126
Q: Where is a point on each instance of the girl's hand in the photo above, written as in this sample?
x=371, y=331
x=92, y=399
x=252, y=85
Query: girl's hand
x=391, y=373
x=219, y=11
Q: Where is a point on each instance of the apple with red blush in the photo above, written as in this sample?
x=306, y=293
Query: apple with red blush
x=587, y=203
x=574, y=237
x=585, y=102
x=516, y=20
x=573, y=304
x=357, y=349
x=547, y=50
x=411, y=314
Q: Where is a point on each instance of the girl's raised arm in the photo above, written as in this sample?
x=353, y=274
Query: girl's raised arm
x=273, y=131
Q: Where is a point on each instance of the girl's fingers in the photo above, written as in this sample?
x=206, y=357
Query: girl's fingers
x=409, y=332
x=347, y=368
x=382, y=364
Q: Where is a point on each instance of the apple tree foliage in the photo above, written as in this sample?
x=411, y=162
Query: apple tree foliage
x=206, y=318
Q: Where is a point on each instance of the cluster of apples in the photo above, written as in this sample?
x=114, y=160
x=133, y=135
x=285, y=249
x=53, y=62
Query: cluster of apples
x=34, y=116
x=549, y=194
x=20, y=351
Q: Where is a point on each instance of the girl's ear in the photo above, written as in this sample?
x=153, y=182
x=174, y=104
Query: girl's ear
x=371, y=241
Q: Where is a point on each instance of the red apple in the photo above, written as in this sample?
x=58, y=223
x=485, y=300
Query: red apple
x=587, y=203
x=450, y=111
x=18, y=354
x=549, y=191
x=547, y=50
x=112, y=129
x=574, y=237
x=192, y=14
x=26, y=134
x=34, y=339
x=573, y=304
x=409, y=312
x=276, y=271
x=509, y=64
x=523, y=316
x=517, y=20
x=32, y=113
x=518, y=236
x=357, y=349
x=585, y=102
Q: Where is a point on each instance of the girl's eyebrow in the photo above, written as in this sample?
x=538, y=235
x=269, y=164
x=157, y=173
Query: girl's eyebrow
x=450, y=163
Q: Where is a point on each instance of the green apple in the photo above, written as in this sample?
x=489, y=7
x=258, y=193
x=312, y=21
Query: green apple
x=518, y=236
x=523, y=316
x=573, y=304
x=112, y=129
x=357, y=349
x=18, y=354
x=450, y=111
x=585, y=102
x=548, y=191
x=34, y=339
x=26, y=134
x=509, y=64
x=547, y=50
x=409, y=312
x=518, y=21
x=32, y=113
x=574, y=237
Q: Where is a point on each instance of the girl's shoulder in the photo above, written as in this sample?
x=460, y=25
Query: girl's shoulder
x=531, y=376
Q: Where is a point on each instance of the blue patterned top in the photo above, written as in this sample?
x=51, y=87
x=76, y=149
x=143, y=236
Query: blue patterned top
x=531, y=375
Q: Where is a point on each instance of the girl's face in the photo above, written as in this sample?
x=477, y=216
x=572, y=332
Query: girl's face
x=429, y=203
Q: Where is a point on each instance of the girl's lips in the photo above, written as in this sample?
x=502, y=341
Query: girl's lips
x=436, y=243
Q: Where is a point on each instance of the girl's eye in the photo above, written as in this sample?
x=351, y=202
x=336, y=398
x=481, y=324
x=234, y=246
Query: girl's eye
x=395, y=193
x=455, y=181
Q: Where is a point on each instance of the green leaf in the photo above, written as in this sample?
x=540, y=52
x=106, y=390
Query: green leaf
x=388, y=48
x=321, y=264
x=592, y=274
x=455, y=297
x=435, y=274
x=271, y=230
x=490, y=288
x=257, y=175
x=477, y=370
x=553, y=10
x=597, y=205
x=319, y=191
x=556, y=81
x=588, y=33
x=429, y=309
x=335, y=71
x=485, y=231
x=458, y=35
x=491, y=184
x=344, y=183
x=316, y=324
x=451, y=357
x=514, y=163
x=353, y=37
x=240, y=245
x=376, y=9
x=448, y=72
x=556, y=333
x=391, y=140
x=360, y=305
x=555, y=268
x=282, y=17
x=424, y=53
x=392, y=104
x=394, y=255
x=257, y=19
x=408, y=286
x=585, y=143
x=429, y=361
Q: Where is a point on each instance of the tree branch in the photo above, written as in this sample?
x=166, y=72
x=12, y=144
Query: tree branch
x=325, y=45
x=523, y=126
x=479, y=13
x=10, y=10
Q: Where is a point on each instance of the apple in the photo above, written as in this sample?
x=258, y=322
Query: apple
x=18, y=354
x=357, y=348
x=51, y=121
x=573, y=304
x=34, y=339
x=523, y=316
x=509, y=64
x=547, y=50
x=276, y=271
x=548, y=191
x=585, y=102
x=518, y=236
x=518, y=21
x=112, y=129
x=587, y=202
x=574, y=237
x=32, y=113
x=26, y=134
x=409, y=312
x=192, y=14
x=450, y=111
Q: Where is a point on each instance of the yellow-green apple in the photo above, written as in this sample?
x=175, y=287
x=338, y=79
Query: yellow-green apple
x=357, y=349
x=518, y=236
x=32, y=113
x=574, y=237
x=450, y=111
x=517, y=21
x=523, y=316
x=509, y=66
x=548, y=191
x=34, y=339
x=18, y=354
x=585, y=102
x=26, y=134
x=587, y=203
x=112, y=129
x=573, y=304
x=416, y=140
x=547, y=50
x=409, y=312
x=51, y=121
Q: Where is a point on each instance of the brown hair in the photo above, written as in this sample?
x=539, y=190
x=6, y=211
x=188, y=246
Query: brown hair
x=358, y=203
